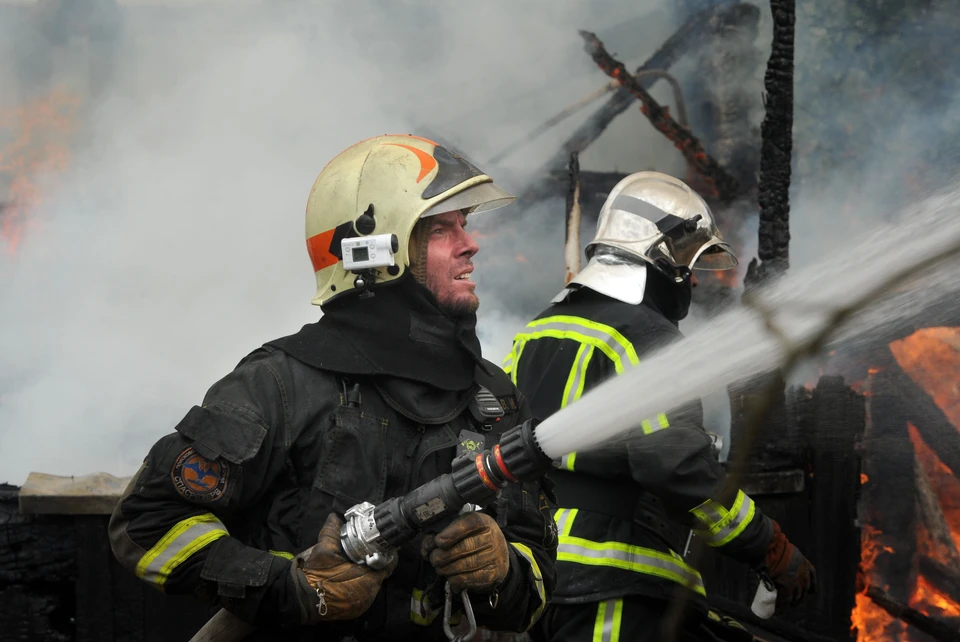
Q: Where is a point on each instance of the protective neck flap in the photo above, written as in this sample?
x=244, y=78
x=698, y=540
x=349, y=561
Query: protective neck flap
x=398, y=332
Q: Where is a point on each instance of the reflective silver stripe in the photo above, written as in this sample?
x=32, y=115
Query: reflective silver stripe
x=564, y=519
x=568, y=460
x=629, y=558
x=177, y=545
x=613, y=344
x=607, y=625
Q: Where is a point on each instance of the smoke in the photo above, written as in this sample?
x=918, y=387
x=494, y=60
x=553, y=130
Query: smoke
x=173, y=243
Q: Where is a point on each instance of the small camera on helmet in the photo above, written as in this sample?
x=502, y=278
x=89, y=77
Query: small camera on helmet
x=367, y=252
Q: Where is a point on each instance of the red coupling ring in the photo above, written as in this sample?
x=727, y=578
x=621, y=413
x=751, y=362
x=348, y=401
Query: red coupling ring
x=484, y=476
x=503, y=466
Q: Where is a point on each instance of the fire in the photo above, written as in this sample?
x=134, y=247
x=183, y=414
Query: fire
x=33, y=144
x=931, y=358
x=871, y=622
x=943, y=483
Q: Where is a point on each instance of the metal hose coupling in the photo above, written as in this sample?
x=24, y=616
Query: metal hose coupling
x=371, y=534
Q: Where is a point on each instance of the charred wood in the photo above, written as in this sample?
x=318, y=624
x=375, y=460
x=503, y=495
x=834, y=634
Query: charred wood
x=890, y=505
x=942, y=577
x=690, y=35
x=572, y=241
x=941, y=436
x=929, y=625
x=721, y=183
x=773, y=192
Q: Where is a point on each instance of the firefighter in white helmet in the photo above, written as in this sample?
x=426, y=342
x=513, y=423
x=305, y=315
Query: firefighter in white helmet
x=243, y=504
x=624, y=513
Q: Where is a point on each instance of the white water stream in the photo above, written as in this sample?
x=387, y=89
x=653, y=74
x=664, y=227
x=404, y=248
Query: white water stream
x=736, y=344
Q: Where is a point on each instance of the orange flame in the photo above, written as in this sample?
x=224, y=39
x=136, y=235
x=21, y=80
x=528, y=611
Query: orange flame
x=871, y=622
x=32, y=145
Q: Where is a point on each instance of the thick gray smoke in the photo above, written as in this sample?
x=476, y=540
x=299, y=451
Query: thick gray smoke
x=172, y=244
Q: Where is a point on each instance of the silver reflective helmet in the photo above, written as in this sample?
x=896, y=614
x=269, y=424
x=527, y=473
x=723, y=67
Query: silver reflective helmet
x=655, y=216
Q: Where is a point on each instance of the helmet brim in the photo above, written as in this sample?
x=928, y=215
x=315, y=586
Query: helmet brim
x=714, y=255
x=484, y=197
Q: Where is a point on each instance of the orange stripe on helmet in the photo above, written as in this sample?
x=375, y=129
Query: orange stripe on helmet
x=318, y=247
x=427, y=161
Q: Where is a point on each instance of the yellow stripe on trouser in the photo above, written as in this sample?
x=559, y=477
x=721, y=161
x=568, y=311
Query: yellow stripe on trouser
x=180, y=542
x=721, y=526
x=607, y=626
x=627, y=557
x=527, y=554
x=420, y=611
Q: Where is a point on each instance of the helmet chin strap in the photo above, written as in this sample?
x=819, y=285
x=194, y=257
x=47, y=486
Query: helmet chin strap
x=680, y=288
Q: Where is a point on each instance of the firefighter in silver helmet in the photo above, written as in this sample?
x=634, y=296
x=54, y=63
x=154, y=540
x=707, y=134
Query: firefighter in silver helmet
x=243, y=504
x=624, y=513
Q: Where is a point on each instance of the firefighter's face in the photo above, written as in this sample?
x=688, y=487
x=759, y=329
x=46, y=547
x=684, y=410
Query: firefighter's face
x=449, y=266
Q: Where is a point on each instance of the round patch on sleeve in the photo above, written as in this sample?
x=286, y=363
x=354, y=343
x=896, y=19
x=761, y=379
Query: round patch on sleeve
x=199, y=479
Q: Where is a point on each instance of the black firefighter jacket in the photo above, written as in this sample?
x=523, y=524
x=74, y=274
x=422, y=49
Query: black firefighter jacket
x=220, y=506
x=624, y=513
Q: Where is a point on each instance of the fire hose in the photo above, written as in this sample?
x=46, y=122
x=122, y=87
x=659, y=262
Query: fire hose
x=372, y=534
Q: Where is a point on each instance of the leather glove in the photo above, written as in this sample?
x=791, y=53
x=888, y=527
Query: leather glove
x=470, y=552
x=331, y=586
x=792, y=573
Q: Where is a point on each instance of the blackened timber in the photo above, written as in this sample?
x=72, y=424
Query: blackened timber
x=688, y=36
x=725, y=187
x=942, y=577
x=572, y=241
x=929, y=625
x=890, y=504
x=837, y=426
x=773, y=192
x=941, y=436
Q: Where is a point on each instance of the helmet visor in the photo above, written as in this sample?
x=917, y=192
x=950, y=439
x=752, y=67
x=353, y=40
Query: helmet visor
x=473, y=200
x=714, y=255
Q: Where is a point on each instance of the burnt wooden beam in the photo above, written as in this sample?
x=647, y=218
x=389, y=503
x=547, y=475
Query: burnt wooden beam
x=572, y=240
x=773, y=192
x=890, y=505
x=693, y=33
x=940, y=435
x=942, y=577
x=922, y=622
x=724, y=186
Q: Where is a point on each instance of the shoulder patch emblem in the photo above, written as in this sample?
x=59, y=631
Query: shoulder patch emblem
x=199, y=479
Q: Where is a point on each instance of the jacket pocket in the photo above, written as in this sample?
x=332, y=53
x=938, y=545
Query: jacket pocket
x=223, y=430
x=353, y=462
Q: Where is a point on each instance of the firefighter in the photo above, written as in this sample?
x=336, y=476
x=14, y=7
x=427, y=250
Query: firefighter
x=242, y=505
x=624, y=511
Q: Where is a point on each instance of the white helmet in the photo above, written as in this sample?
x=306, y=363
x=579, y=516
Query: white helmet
x=658, y=219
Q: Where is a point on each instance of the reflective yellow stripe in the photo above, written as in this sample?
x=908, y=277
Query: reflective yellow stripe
x=517, y=351
x=603, y=337
x=527, y=554
x=720, y=525
x=420, y=611
x=607, y=626
x=577, y=377
x=564, y=519
x=649, y=428
x=629, y=558
x=282, y=554
x=568, y=460
x=180, y=542
x=507, y=363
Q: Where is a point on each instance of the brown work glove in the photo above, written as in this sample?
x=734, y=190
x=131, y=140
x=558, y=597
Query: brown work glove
x=471, y=553
x=793, y=574
x=331, y=586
